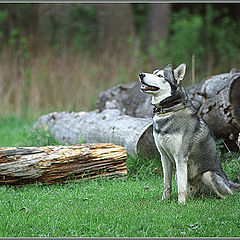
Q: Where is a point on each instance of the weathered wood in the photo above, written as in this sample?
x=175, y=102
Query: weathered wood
x=52, y=164
x=110, y=126
x=128, y=99
x=217, y=99
x=238, y=141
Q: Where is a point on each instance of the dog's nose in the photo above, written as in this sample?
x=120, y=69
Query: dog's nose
x=141, y=75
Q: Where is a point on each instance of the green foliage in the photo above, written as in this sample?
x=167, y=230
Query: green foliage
x=140, y=19
x=18, y=132
x=18, y=44
x=221, y=37
x=75, y=24
x=3, y=17
x=231, y=165
x=227, y=42
x=220, y=147
x=84, y=29
x=60, y=25
x=212, y=38
x=185, y=40
x=230, y=161
x=232, y=168
x=140, y=12
x=39, y=138
x=143, y=168
x=208, y=32
x=14, y=34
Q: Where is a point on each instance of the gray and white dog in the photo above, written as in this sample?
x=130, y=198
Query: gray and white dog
x=183, y=139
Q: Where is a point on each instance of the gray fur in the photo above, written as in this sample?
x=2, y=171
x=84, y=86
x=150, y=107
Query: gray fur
x=184, y=140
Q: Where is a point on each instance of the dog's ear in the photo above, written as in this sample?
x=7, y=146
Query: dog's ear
x=179, y=72
x=168, y=67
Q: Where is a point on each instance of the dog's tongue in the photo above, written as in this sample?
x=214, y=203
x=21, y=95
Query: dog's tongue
x=144, y=87
x=148, y=88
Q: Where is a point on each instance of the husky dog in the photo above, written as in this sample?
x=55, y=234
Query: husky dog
x=183, y=139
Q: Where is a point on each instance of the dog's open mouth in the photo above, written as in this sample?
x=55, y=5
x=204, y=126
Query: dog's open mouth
x=146, y=87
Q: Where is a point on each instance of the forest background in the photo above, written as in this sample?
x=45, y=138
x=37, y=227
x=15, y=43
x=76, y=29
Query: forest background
x=61, y=56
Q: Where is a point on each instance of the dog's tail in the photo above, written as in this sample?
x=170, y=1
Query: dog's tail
x=234, y=186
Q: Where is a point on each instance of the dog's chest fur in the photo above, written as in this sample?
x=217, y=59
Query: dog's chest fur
x=171, y=130
x=168, y=130
x=170, y=133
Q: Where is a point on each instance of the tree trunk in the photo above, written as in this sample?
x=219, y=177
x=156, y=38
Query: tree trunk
x=110, y=126
x=54, y=164
x=216, y=99
x=158, y=15
x=115, y=26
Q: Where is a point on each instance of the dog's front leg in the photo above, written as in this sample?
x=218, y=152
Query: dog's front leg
x=167, y=176
x=181, y=168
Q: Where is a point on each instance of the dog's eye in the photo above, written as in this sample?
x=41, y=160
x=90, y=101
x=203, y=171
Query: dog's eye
x=156, y=71
x=159, y=75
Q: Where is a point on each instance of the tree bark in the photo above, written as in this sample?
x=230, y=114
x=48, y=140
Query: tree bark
x=52, y=164
x=128, y=99
x=216, y=99
x=218, y=102
x=109, y=126
x=158, y=15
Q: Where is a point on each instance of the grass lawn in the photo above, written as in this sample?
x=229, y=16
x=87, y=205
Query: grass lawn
x=104, y=207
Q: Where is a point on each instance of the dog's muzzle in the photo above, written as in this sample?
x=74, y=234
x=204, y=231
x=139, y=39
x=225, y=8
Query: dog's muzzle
x=144, y=86
x=142, y=75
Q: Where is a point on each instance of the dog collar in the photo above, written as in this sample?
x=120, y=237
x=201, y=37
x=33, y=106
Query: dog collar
x=164, y=111
x=164, y=114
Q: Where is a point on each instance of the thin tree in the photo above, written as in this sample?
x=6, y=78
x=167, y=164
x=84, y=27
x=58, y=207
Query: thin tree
x=158, y=15
x=115, y=26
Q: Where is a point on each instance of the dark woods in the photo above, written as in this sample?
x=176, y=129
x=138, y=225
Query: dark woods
x=44, y=47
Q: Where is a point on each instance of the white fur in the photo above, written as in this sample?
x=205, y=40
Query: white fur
x=179, y=72
x=157, y=80
x=168, y=147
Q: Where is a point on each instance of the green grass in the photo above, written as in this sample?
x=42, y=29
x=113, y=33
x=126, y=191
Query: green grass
x=112, y=208
x=18, y=132
x=104, y=207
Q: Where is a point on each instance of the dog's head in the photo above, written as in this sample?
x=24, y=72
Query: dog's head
x=162, y=83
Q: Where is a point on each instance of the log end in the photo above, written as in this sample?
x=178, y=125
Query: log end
x=146, y=147
x=234, y=98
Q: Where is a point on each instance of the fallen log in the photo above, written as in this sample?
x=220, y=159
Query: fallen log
x=217, y=100
x=52, y=164
x=109, y=126
x=128, y=99
x=238, y=141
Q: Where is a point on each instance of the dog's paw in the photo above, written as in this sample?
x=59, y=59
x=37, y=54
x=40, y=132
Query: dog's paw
x=166, y=194
x=182, y=200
